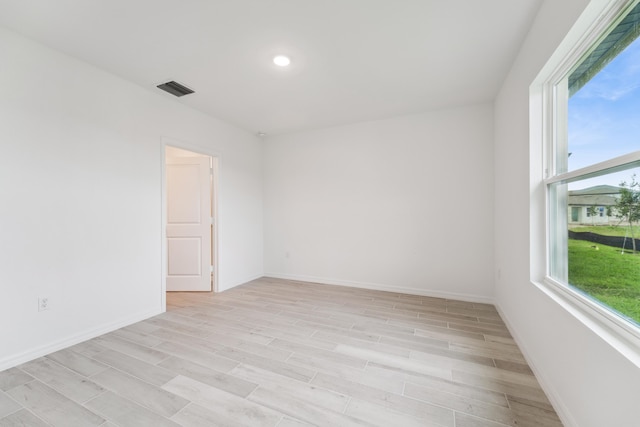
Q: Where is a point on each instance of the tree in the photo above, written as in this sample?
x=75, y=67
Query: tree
x=628, y=205
x=592, y=211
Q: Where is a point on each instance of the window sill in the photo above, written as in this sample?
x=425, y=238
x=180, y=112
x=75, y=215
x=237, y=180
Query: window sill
x=621, y=335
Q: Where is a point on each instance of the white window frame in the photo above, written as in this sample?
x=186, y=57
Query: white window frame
x=548, y=126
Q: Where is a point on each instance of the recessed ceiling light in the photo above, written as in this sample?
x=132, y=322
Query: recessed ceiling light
x=281, y=60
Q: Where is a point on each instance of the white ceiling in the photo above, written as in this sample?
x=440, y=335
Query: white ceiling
x=352, y=60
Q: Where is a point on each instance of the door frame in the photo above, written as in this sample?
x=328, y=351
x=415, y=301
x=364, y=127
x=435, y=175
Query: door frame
x=216, y=160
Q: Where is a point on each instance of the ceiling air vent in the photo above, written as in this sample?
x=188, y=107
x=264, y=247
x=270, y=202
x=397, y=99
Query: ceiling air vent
x=175, y=88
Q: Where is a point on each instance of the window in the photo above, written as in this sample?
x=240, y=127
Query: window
x=575, y=214
x=594, y=163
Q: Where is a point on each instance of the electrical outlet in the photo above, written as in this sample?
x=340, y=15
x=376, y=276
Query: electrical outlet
x=43, y=303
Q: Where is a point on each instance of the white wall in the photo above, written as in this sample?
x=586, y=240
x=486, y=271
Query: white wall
x=403, y=204
x=590, y=383
x=80, y=198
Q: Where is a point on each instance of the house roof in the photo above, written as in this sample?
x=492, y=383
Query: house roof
x=592, y=200
x=599, y=195
x=596, y=190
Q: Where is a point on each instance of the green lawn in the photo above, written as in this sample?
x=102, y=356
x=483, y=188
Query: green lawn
x=609, y=230
x=607, y=275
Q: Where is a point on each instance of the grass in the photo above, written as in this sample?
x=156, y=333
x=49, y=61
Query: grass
x=609, y=230
x=606, y=274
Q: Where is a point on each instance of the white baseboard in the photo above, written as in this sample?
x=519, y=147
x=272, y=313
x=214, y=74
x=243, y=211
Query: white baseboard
x=11, y=361
x=545, y=382
x=384, y=287
x=248, y=279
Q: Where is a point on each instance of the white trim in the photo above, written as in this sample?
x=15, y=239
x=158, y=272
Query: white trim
x=616, y=164
x=241, y=282
x=163, y=227
x=384, y=287
x=215, y=171
x=546, y=383
x=27, y=356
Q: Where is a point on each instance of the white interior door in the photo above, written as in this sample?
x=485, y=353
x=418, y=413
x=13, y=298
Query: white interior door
x=188, y=224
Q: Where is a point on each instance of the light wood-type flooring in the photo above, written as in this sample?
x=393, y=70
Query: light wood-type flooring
x=284, y=353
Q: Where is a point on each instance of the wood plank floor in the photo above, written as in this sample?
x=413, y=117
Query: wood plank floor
x=283, y=353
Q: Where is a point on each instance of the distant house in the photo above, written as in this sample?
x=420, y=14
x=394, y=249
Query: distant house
x=599, y=197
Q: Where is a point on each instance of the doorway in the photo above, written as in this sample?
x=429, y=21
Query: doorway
x=189, y=221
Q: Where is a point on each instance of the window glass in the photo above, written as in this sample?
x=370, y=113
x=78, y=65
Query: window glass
x=604, y=113
x=599, y=248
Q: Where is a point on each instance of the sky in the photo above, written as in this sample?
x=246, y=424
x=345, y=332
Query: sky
x=604, y=117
